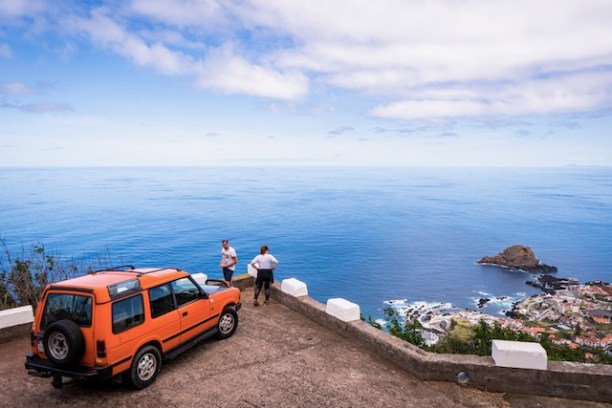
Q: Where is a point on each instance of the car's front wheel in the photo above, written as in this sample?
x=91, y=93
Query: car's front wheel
x=228, y=322
x=145, y=367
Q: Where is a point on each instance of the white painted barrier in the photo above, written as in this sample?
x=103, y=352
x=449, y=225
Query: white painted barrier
x=251, y=271
x=294, y=287
x=200, y=278
x=519, y=354
x=343, y=309
x=15, y=317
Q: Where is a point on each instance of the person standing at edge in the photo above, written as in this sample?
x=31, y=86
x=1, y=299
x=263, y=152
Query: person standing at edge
x=229, y=259
x=265, y=265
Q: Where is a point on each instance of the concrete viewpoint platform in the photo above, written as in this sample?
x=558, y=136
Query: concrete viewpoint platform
x=277, y=358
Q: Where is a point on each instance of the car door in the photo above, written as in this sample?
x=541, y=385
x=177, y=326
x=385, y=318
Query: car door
x=194, y=309
x=165, y=317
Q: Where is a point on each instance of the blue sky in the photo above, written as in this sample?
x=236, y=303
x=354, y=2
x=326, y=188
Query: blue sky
x=322, y=82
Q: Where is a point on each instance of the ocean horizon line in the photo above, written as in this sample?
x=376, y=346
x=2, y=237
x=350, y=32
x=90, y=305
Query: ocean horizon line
x=298, y=165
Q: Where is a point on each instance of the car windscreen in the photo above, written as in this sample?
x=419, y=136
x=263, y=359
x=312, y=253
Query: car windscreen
x=60, y=306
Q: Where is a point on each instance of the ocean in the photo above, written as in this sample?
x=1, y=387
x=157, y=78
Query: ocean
x=368, y=235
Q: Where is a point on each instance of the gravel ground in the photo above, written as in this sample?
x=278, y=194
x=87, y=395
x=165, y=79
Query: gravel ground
x=277, y=358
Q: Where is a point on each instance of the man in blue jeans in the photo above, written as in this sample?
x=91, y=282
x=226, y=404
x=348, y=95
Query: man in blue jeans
x=229, y=259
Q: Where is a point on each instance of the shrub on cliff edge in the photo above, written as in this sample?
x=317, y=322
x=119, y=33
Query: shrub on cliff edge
x=23, y=278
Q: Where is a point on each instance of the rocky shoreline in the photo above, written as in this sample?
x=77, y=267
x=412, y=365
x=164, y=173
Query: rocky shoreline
x=568, y=313
x=571, y=314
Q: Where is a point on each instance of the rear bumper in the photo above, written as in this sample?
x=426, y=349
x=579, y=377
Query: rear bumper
x=44, y=368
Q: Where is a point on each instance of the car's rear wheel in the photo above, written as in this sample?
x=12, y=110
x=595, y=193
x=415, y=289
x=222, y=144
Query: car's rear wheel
x=64, y=343
x=145, y=367
x=228, y=322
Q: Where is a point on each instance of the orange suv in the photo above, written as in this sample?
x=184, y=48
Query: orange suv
x=121, y=323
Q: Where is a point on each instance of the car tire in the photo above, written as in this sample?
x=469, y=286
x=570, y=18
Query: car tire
x=64, y=343
x=145, y=367
x=227, y=324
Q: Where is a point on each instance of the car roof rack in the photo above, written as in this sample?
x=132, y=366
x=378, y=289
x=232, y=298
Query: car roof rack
x=116, y=269
x=131, y=268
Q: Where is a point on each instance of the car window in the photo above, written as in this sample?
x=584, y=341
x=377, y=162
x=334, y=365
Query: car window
x=61, y=306
x=161, y=300
x=127, y=313
x=185, y=291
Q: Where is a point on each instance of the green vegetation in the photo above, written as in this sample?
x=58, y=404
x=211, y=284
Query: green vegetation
x=23, y=278
x=469, y=339
x=463, y=330
x=409, y=331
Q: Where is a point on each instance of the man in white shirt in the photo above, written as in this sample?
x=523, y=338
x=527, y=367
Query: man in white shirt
x=229, y=259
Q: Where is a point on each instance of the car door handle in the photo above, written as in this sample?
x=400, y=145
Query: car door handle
x=185, y=314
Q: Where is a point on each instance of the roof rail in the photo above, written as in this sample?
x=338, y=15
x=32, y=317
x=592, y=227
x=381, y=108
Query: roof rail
x=132, y=270
x=116, y=268
x=158, y=269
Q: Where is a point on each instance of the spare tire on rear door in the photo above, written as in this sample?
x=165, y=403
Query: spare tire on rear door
x=64, y=343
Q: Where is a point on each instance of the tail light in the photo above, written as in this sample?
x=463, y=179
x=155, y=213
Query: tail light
x=100, y=349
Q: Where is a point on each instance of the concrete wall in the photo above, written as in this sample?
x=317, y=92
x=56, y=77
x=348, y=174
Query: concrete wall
x=15, y=322
x=561, y=379
x=243, y=281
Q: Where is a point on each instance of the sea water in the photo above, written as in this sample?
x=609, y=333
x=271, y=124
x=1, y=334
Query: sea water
x=368, y=235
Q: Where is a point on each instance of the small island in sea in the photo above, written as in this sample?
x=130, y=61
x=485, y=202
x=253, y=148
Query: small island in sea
x=518, y=257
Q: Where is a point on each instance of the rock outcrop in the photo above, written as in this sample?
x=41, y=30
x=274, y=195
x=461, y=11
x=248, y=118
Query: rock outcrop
x=518, y=257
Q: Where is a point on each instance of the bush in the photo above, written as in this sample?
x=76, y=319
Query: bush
x=23, y=278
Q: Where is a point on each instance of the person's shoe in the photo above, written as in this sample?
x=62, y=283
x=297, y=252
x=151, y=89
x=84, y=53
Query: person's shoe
x=255, y=303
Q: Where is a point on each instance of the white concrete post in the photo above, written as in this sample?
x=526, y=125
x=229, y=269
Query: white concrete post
x=519, y=354
x=343, y=309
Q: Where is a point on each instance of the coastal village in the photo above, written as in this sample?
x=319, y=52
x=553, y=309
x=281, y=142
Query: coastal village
x=574, y=315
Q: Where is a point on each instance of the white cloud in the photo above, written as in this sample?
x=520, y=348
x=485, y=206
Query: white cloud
x=404, y=50
x=578, y=92
x=223, y=69
x=180, y=12
x=46, y=107
x=106, y=32
x=17, y=8
x=228, y=72
x=17, y=88
x=340, y=130
x=440, y=58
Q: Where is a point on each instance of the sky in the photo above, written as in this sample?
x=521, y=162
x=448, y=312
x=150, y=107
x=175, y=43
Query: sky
x=309, y=83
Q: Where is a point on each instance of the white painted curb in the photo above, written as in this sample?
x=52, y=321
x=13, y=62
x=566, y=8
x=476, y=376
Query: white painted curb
x=343, y=309
x=251, y=271
x=294, y=287
x=15, y=317
x=200, y=278
x=519, y=354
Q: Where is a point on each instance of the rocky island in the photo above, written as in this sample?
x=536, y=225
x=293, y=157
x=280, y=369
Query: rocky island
x=518, y=257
